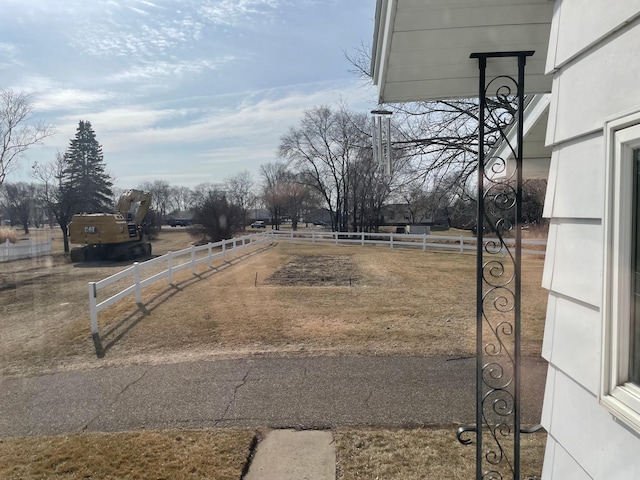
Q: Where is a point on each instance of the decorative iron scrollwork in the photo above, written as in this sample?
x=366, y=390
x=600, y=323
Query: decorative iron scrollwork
x=498, y=279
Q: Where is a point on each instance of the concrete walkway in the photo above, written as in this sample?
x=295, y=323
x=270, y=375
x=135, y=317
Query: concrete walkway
x=277, y=393
x=294, y=455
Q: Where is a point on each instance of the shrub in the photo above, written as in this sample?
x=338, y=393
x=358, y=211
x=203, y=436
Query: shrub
x=8, y=234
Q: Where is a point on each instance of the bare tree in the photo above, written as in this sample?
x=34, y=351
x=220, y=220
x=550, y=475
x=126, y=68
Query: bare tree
x=441, y=137
x=215, y=218
x=274, y=176
x=160, y=191
x=17, y=199
x=181, y=198
x=240, y=192
x=330, y=151
x=323, y=149
x=19, y=129
x=59, y=199
x=201, y=191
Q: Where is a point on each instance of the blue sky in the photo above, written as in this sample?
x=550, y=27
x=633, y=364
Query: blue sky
x=186, y=91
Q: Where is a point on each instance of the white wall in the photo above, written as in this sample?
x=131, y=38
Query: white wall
x=594, y=57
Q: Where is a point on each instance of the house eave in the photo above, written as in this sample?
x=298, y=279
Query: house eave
x=421, y=48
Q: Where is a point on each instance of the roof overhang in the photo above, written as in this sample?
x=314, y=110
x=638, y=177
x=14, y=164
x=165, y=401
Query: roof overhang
x=421, y=48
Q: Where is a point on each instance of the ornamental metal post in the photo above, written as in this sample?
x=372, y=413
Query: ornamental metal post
x=498, y=278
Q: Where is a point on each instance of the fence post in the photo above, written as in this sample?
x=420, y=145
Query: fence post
x=136, y=280
x=235, y=248
x=362, y=239
x=424, y=243
x=224, y=250
x=391, y=240
x=336, y=235
x=193, y=260
x=93, y=310
x=170, y=267
x=461, y=245
x=210, y=257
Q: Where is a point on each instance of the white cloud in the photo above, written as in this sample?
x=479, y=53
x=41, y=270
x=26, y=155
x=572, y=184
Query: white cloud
x=162, y=69
x=232, y=12
x=170, y=85
x=62, y=98
x=9, y=55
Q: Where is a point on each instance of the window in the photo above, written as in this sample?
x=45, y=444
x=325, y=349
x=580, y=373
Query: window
x=620, y=391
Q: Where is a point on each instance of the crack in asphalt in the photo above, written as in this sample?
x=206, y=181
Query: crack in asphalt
x=366, y=400
x=117, y=398
x=233, y=397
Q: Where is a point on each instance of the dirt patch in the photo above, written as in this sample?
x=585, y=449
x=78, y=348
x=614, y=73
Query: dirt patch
x=317, y=271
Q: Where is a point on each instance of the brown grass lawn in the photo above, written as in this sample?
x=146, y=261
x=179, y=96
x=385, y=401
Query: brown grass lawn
x=420, y=454
x=174, y=454
x=402, y=302
x=361, y=453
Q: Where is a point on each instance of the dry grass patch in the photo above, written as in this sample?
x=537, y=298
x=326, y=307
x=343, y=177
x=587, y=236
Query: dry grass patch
x=44, y=308
x=400, y=302
x=176, y=454
x=420, y=454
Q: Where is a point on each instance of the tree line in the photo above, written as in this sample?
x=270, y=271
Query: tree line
x=324, y=171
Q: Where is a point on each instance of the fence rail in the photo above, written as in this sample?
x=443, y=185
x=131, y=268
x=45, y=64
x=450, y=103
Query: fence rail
x=175, y=261
x=393, y=240
x=24, y=249
x=193, y=256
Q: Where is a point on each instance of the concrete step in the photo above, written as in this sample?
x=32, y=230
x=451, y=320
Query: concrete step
x=294, y=455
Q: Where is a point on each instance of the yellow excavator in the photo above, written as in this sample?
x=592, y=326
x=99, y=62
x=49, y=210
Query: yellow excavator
x=112, y=236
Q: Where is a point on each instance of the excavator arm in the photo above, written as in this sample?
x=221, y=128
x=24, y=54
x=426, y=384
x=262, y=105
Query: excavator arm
x=133, y=205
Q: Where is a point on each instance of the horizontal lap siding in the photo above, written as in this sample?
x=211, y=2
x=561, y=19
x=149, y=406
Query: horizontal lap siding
x=595, y=54
x=573, y=264
x=576, y=186
x=588, y=433
x=563, y=465
x=597, y=20
x=572, y=340
x=601, y=83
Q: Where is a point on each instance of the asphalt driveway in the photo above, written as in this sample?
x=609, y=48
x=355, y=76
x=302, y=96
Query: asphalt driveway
x=315, y=392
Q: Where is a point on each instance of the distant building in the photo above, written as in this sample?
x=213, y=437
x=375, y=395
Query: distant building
x=179, y=219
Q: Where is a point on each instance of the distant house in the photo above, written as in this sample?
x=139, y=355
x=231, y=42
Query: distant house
x=259, y=214
x=399, y=214
x=396, y=214
x=318, y=216
x=179, y=219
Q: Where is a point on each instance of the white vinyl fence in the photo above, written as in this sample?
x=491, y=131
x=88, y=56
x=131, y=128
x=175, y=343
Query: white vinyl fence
x=236, y=247
x=24, y=249
x=146, y=273
x=393, y=240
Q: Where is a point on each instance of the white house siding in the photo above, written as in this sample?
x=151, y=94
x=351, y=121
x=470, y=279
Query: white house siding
x=594, y=56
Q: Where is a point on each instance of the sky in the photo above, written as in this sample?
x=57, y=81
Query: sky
x=185, y=91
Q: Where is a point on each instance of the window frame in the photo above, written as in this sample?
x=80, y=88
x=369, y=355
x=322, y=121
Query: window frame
x=617, y=393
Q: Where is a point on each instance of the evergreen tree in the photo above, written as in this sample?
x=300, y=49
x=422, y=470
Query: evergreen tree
x=85, y=173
